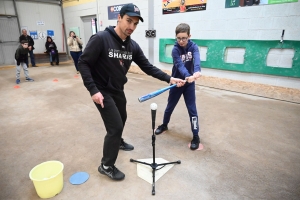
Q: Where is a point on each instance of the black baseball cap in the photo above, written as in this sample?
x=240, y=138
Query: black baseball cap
x=131, y=10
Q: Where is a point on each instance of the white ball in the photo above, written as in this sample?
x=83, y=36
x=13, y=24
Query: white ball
x=153, y=106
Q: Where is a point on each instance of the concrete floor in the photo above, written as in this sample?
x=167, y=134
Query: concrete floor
x=251, y=144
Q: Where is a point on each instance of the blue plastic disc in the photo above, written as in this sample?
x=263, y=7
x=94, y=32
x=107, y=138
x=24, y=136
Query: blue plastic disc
x=79, y=178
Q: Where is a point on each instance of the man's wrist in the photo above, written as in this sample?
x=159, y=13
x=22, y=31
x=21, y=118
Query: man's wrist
x=170, y=79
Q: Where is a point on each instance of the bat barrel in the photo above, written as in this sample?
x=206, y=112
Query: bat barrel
x=155, y=93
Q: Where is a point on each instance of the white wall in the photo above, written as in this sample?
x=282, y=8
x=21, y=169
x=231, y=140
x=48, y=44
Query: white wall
x=262, y=22
x=31, y=12
x=73, y=16
x=139, y=34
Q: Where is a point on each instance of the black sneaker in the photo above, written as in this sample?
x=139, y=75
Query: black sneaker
x=112, y=172
x=195, y=143
x=160, y=129
x=125, y=146
x=29, y=79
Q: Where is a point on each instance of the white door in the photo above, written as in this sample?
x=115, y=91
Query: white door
x=9, y=39
x=87, y=28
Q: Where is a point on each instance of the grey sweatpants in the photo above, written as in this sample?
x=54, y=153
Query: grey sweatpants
x=18, y=70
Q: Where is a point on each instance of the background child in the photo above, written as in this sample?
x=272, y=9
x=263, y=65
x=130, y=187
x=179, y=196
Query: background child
x=21, y=57
x=186, y=65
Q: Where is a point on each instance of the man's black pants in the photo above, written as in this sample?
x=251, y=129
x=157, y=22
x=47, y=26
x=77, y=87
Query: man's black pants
x=114, y=116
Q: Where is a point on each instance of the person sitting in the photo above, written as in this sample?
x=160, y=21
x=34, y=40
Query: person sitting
x=52, y=50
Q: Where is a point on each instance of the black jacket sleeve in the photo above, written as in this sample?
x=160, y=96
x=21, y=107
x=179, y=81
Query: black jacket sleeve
x=30, y=41
x=86, y=62
x=17, y=56
x=47, y=47
x=140, y=59
x=55, y=47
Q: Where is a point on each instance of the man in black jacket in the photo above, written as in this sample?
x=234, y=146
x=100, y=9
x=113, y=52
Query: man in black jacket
x=103, y=66
x=24, y=36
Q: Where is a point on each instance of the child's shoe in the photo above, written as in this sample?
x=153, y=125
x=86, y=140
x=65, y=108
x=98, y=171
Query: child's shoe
x=160, y=129
x=195, y=142
x=18, y=81
x=29, y=79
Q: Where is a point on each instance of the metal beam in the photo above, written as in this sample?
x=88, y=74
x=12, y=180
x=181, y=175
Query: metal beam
x=64, y=27
x=151, y=27
x=16, y=12
x=3, y=15
x=57, y=2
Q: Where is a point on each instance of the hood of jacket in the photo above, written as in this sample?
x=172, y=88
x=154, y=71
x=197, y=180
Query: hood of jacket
x=111, y=30
x=47, y=42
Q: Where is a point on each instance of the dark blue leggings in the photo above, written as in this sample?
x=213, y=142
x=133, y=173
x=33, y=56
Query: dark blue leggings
x=188, y=92
x=75, y=55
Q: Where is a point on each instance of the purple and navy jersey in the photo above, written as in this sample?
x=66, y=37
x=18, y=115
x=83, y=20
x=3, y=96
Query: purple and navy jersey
x=186, y=61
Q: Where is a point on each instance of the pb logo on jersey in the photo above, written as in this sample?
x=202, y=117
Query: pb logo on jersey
x=187, y=57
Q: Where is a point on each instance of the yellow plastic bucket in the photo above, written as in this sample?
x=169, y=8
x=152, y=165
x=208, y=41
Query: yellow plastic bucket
x=47, y=178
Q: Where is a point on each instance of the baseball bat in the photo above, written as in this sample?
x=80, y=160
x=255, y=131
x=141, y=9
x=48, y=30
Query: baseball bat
x=155, y=93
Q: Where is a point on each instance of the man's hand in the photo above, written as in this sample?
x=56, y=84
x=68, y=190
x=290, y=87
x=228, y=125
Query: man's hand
x=30, y=47
x=98, y=98
x=179, y=82
x=197, y=75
